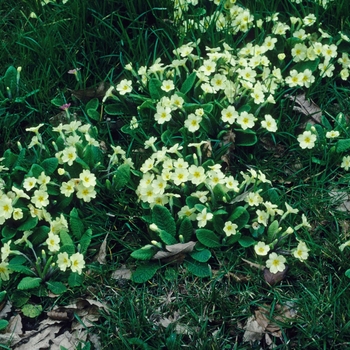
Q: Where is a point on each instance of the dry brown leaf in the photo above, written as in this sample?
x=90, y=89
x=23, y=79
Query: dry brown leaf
x=207, y=149
x=122, y=273
x=175, y=249
x=253, y=330
x=101, y=257
x=261, y=322
x=229, y=138
x=260, y=267
x=274, y=278
x=308, y=108
x=88, y=94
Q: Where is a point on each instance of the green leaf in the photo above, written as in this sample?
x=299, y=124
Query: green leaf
x=347, y=273
x=145, y=253
x=58, y=101
x=154, y=88
x=113, y=109
x=49, y=165
x=326, y=123
x=167, y=238
x=245, y=137
x=19, y=297
x=8, y=232
x=188, y=83
x=75, y=280
x=302, y=66
x=233, y=238
x=121, y=176
x=92, y=104
x=343, y=145
x=143, y=273
x=68, y=248
x=240, y=217
x=272, y=231
x=76, y=224
x=201, y=255
x=3, y=324
x=197, y=268
x=39, y=235
x=29, y=283
x=208, y=238
x=21, y=269
x=93, y=114
x=2, y=295
x=162, y=217
x=29, y=224
x=10, y=80
x=85, y=241
x=65, y=238
x=56, y=287
x=36, y=170
x=186, y=229
x=246, y=241
x=31, y=310
x=10, y=158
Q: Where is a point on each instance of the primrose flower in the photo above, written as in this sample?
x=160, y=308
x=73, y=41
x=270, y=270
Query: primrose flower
x=53, y=242
x=229, y=115
x=203, y=217
x=261, y=248
x=167, y=85
x=276, y=263
x=192, y=123
x=196, y=174
x=40, y=198
x=269, y=123
x=77, y=263
x=345, y=163
x=163, y=115
x=85, y=193
x=4, y=271
x=124, y=86
x=88, y=178
x=67, y=188
x=29, y=183
x=246, y=120
x=69, y=155
x=230, y=228
x=63, y=261
x=5, y=250
x=307, y=140
x=186, y=211
x=301, y=252
x=6, y=208
x=35, y=129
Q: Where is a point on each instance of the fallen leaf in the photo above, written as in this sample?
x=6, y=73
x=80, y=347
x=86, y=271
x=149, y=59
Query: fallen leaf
x=228, y=139
x=101, y=257
x=274, y=278
x=253, y=330
x=174, y=249
x=122, y=273
x=88, y=94
x=308, y=108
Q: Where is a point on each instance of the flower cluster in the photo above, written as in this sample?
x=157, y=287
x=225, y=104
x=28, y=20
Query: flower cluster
x=38, y=195
x=195, y=190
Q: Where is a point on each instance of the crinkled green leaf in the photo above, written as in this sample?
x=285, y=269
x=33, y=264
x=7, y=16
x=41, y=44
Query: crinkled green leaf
x=145, y=253
x=29, y=283
x=76, y=225
x=188, y=83
x=121, y=176
x=201, y=255
x=162, y=217
x=246, y=241
x=75, y=280
x=85, y=241
x=143, y=273
x=186, y=229
x=197, y=268
x=49, y=165
x=208, y=238
x=31, y=310
x=56, y=287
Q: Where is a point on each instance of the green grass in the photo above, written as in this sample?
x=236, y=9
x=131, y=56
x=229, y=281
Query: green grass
x=101, y=37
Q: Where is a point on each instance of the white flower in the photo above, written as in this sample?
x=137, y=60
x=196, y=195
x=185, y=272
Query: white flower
x=276, y=263
x=261, y=248
x=307, y=140
x=203, y=217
